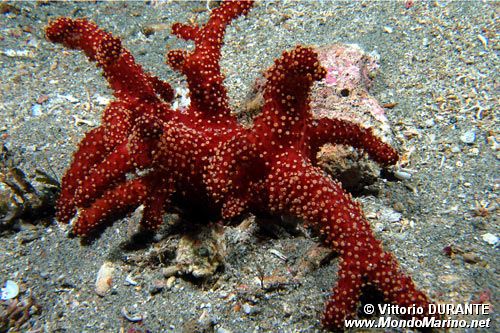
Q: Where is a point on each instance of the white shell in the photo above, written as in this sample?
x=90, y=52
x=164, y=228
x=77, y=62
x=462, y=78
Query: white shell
x=10, y=290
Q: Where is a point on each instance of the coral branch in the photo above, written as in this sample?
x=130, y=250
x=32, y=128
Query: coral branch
x=91, y=150
x=125, y=77
x=201, y=66
x=286, y=110
x=338, y=131
x=115, y=201
x=301, y=190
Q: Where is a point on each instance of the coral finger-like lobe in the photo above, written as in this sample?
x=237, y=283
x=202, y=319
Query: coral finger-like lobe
x=206, y=163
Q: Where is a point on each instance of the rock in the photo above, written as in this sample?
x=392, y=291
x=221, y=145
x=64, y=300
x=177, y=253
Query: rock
x=468, y=137
x=36, y=110
x=222, y=330
x=402, y=175
x=10, y=291
x=157, y=287
x=170, y=271
x=132, y=317
x=104, y=278
x=204, y=324
x=201, y=254
x=471, y=258
x=490, y=239
x=170, y=282
x=249, y=309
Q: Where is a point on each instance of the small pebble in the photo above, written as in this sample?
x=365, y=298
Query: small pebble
x=170, y=282
x=36, y=110
x=490, y=239
x=249, y=309
x=392, y=216
x=222, y=330
x=10, y=291
x=402, y=175
x=287, y=310
x=455, y=149
x=468, y=137
x=399, y=207
x=101, y=100
x=429, y=123
x=157, y=287
x=474, y=151
x=131, y=317
x=388, y=29
x=129, y=281
x=471, y=258
x=70, y=98
x=42, y=99
x=278, y=254
x=483, y=40
x=170, y=271
x=104, y=278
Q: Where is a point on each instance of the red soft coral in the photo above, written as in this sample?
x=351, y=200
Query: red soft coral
x=144, y=153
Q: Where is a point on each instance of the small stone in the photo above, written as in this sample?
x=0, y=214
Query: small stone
x=287, y=310
x=132, y=317
x=468, y=137
x=157, y=287
x=222, y=330
x=36, y=110
x=391, y=216
x=471, y=258
x=278, y=254
x=449, y=279
x=399, y=207
x=104, y=278
x=70, y=98
x=10, y=291
x=483, y=40
x=170, y=282
x=455, y=149
x=429, y=123
x=474, y=151
x=249, y=309
x=42, y=99
x=170, y=271
x=101, y=100
x=490, y=239
x=130, y=281
x=402, y=175
x=388, y=29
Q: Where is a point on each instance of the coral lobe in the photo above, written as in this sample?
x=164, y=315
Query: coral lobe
x=145, y=153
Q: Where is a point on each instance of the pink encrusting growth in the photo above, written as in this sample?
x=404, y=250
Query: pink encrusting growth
x=144, y=153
